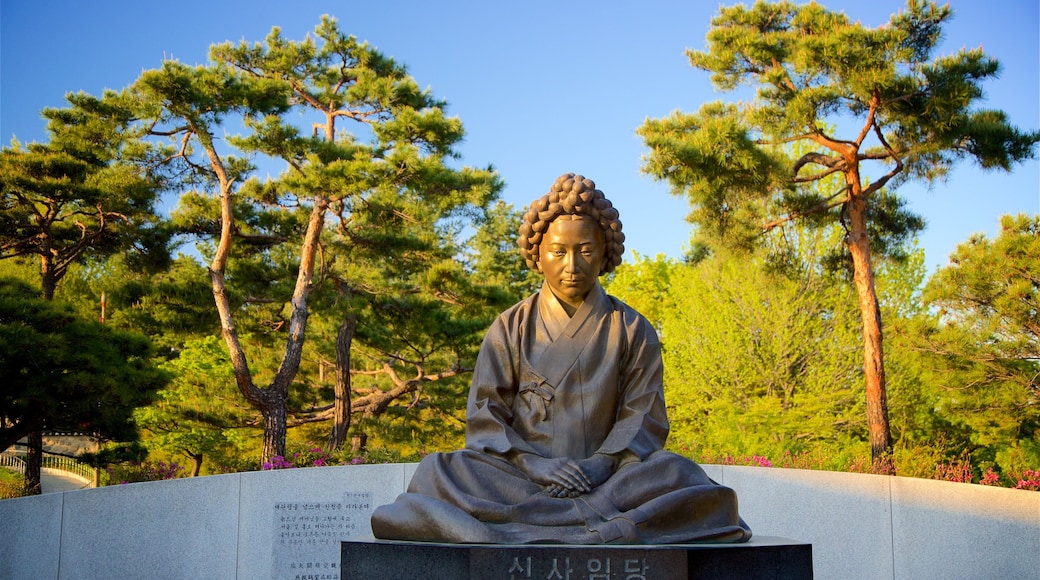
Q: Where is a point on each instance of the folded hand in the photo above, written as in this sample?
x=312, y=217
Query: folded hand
x=566, y=477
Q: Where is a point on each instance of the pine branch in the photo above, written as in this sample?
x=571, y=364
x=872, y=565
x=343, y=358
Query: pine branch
x=823, y=206
x=835, y=163
x=895, y=170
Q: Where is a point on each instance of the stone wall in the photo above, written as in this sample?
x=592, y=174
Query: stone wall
x=288, y=524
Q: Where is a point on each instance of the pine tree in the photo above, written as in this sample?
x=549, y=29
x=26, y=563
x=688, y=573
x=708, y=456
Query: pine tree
x=898, y=114
x=354, y=186
x=63, y=373
x=985, y=347
x=83, y=195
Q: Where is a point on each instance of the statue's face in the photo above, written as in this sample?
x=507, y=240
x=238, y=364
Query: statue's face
x=570, y=257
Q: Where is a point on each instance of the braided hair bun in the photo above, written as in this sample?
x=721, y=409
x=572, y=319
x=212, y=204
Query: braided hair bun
x=574, y=195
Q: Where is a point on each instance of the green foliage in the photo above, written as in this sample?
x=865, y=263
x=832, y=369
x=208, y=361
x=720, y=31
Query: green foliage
x=495, y=258
x=748, y=332
x=113, y=453
x=171, y=306
x=645, y=284
x=755, y=362
x=434, y=420
x=24, y=270
x=200, y=413
x=80, y=196
x=984, y=350
x=63, y=373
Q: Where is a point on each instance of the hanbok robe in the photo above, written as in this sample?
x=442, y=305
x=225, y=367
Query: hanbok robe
x=559, y=386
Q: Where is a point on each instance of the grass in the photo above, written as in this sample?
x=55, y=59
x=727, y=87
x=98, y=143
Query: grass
x=11, y=484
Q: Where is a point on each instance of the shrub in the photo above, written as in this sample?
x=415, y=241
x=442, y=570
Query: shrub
x=317, y=457
x=138, y=471
x=929, y=463
x=1030, y=480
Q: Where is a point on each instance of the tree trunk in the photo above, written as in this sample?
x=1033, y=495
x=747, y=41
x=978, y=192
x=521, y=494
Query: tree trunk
x=271, y=401
x=196, y=459
x=34, y=448
x=341, y=405
x=358, y=443
x=34, y=462
x=48, y=275
x=873, y=353
x=274, y=415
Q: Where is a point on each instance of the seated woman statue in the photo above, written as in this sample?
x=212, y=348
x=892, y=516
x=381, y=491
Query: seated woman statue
x=566, y=416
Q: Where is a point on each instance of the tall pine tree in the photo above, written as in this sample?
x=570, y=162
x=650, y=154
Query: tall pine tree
x=899, y=114
x=378, y=149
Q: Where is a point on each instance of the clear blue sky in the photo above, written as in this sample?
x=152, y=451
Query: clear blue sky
x=542, y=87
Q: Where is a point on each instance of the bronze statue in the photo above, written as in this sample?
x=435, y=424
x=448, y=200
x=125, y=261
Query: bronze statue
x=566, y=417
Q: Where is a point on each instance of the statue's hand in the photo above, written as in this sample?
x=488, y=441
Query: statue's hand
x=569, y=478
x=564, y=477
x=557, y=491
x=598, y=468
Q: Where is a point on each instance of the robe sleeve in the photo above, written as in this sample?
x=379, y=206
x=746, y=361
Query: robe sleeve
x=489, y=411
x=641, y=425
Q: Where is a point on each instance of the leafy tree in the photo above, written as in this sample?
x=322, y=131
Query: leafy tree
x=906, y=116
x=195, y=415
x=171, y=307
x=200, y=413
x=986, y=347
x=494, y=255
x=82, y=196
x=755, y=362
x=366, y=182
x=645, y=285
x=419, y=313
x=63, y=373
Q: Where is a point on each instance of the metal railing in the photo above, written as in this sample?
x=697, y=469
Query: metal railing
x=14, y=460
x=11, y=460
x=69, y=466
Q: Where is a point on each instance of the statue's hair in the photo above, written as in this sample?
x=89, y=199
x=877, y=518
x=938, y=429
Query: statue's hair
x=577, y=196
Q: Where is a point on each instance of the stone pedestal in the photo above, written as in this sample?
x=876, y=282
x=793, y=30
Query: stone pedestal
x=761, y=558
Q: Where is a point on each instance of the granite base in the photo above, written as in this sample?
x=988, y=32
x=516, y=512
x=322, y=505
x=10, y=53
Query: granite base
x=760, y=559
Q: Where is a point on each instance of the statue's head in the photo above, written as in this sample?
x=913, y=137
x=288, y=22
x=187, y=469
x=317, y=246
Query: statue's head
x=577, y=198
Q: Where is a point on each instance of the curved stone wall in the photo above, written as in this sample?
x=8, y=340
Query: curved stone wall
x=288, y=524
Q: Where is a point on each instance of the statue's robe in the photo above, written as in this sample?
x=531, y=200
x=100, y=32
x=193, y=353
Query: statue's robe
x=559, y=386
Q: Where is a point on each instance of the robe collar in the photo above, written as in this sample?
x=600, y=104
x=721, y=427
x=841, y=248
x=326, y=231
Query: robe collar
x=555, y=318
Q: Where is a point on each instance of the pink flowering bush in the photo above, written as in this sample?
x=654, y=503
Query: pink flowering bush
x=137, y=471
x=959, y=470
x=317, y=457
x=314, y=457
x=787, y=460
x=277, y=462
x=852, y=460
x=756, y=460
x=1030, y=480
x=990, y=477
